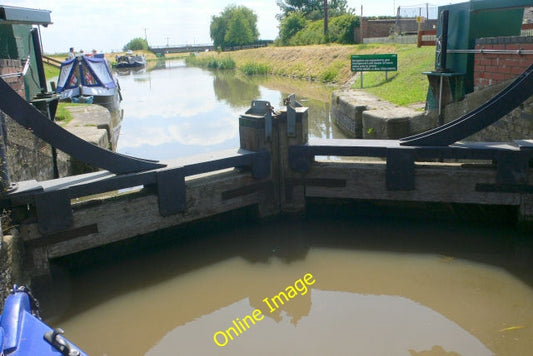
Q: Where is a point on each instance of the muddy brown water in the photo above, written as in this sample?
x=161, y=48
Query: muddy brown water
x=332, y=282
x=377, y=286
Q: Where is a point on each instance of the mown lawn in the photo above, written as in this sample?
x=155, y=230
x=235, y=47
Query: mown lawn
x=406, y=86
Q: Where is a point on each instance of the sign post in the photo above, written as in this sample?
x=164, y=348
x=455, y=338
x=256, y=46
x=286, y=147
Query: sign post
x=374, y=63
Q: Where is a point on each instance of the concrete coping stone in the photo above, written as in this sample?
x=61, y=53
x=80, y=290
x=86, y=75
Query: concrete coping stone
x=392, y=113
x=91, y=123
x=83, y=115
x=359, y=99
x=91, y=134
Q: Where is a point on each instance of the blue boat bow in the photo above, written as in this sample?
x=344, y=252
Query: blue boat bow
x=23, y=333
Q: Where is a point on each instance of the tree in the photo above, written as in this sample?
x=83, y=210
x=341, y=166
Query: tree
x=236, y=25
x=291, y=25
x=238, y=32
x=312, y=9
x=136, y=44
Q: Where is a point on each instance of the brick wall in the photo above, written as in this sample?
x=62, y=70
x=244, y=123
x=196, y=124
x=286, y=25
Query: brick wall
x=492, y=73
x=9, y=66
x=387, y=27
x=491, y=69
x=377, y=28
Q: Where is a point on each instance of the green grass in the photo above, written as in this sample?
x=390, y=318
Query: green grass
x=332, y=72
x=253, y=68
x=406, y=86
x=62, y=114
x=213, y=62
x=50, y=71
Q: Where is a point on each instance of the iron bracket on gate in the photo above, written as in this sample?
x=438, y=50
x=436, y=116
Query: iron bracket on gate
x=291, y=104
x=400, y=172
x=261, y=109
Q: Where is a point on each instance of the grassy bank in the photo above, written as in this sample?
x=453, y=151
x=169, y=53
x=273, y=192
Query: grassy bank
x=406, y=86
x=331, y=64
x=325, y=63
x=50, y=71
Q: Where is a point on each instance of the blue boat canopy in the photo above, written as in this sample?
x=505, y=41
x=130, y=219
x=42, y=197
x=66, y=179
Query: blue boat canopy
x=85, y=74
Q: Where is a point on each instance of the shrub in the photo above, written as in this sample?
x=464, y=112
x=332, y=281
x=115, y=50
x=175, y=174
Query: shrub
x=313, y=33
x=341, y=28
x=291, y=25
x=226, y=63
x=255, y=68
x=212, y=62
x=295, y=30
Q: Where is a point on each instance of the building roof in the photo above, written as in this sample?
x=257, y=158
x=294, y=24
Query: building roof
x=20, y=15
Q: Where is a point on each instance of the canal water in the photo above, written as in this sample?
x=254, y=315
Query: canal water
x=175, y=110
x=327, y=283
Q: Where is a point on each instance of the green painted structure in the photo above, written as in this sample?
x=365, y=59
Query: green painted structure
x=475, y=19
x=16, y=24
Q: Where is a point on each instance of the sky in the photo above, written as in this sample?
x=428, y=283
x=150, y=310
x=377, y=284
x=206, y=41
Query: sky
x=108, y=25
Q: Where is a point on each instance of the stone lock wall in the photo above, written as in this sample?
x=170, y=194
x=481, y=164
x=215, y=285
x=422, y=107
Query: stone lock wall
x=28, y=157
x=10, y=251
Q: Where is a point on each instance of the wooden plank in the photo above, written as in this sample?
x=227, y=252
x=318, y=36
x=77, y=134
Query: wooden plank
x=62, y=236
x=120, y=219
x=434, y=183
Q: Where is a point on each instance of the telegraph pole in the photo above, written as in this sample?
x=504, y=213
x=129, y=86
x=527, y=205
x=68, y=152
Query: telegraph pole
x=325, y=17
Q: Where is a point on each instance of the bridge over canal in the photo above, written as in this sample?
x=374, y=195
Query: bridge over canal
x=273, y=170
x=187, y=48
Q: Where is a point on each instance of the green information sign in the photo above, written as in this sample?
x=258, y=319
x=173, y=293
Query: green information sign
x=374, y=62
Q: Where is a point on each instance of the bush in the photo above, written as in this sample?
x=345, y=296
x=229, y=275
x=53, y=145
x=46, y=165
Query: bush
x=226, y=63
x=255, y=68
x=211, y=62
x=291, y=25
x=341, y=28
x=296, y=31
x=313, y=33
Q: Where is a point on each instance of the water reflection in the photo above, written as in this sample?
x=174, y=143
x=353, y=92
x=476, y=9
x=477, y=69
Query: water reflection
x=341, y=323
x=181, y=111
x=383, y=287
x=234, y=90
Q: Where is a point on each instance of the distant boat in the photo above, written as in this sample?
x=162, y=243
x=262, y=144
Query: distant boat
x=89, y=80
x=130, y=60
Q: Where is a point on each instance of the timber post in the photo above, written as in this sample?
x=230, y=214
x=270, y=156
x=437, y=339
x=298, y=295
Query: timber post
x=256, y=133
x=263, y=129
x=293, y=123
